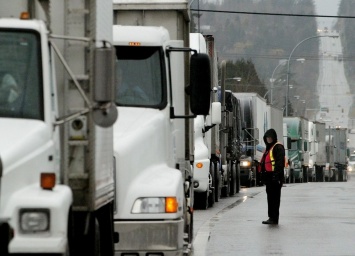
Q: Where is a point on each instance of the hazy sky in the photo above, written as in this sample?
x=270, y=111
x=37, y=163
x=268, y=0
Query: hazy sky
x=326, y=7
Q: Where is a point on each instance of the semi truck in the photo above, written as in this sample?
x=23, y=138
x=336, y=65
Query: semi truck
x=255, y=122
x=162, y=86
x=56, y=137
x=336, y=170
x=215, y=156
x=204, y=165
x=229, y=139
x=317, y=149
x=297, y=129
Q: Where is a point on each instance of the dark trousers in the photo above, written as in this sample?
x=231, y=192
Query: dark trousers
x=273, y=191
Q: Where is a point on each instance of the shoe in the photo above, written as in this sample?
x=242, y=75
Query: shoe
x=271, y=221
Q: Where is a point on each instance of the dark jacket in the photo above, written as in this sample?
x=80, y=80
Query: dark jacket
x=279, y=156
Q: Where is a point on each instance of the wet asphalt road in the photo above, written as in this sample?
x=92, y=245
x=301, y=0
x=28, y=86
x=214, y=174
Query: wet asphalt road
x=315, y=219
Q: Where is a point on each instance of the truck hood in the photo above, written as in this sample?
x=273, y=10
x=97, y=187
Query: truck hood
x=26, y=150
x=20, y=137
x=145, y=164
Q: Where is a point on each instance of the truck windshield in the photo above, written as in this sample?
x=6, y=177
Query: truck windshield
x=21, y=94
x=140, y=79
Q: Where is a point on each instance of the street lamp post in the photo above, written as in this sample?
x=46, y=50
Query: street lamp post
x=272, y=80
x=288, y=66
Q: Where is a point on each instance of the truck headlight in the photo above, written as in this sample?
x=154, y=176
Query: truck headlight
x=34, y=220
x=155, y=205
x=245, y=164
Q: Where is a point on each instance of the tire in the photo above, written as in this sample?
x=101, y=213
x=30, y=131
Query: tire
x=341, y=176
x=305, y=174
x=104, y=216
x=322, y=176
x=237, y=168
x=336, y=176
x=217, y=181
x=226, y=184
x=70, y=235
x=188, y=216
x=292, y=177
x=253, y=177
x=233, y=179
x=201, y=200
x=191, y=228
x=211, y=195
x=85, y=243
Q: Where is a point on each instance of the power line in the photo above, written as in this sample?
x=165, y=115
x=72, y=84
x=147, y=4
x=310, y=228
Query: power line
x=274, y=14
x=277, y=57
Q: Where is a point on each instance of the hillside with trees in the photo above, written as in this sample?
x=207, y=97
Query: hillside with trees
x=264, y=41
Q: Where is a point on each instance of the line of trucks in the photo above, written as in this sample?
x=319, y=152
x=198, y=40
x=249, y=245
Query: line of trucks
x=114, y=127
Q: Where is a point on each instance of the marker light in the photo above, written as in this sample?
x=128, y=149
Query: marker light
x=171, y=205
x=47, y=180
x=199, y=165
x=134, y=44
x=155, y=205
x=25, y=16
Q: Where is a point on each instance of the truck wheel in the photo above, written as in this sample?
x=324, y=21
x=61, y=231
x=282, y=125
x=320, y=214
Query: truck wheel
x=291, y=178
x=190, y=228
x=237, y=168
x=70, y=235
x=233, y=179
x=104, y=218
x=217, y=181
x=226, y=184
x=341, y=176
x=211, y=195
x=305, y=174
x=331, y=178
x=201, y=200
x=322, y=176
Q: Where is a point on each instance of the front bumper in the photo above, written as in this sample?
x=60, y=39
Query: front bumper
x=245, y=173
x=144, y=237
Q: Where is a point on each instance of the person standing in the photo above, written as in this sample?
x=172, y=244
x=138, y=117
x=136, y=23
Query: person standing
x=272, y=173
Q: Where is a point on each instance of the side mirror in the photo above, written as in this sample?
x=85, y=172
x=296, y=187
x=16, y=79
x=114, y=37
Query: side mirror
x=104, y=89
x=216, y=117
x=104, y=74
x=200, y=84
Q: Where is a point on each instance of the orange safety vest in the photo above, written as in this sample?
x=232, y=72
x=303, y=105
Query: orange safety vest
x=269, y=159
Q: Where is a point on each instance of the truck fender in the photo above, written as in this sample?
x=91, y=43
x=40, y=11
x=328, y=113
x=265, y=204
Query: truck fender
x=58, y=202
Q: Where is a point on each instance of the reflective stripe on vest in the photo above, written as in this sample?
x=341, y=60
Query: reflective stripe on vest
x=269, y=159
